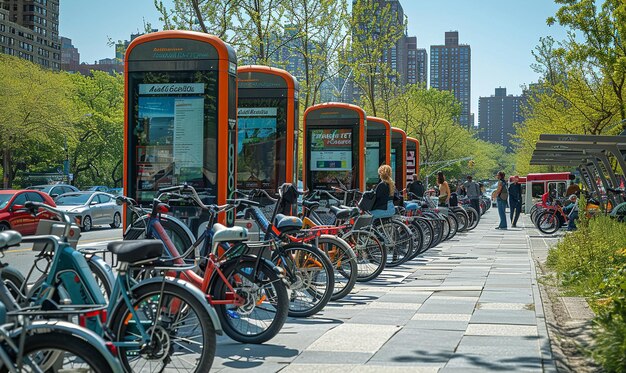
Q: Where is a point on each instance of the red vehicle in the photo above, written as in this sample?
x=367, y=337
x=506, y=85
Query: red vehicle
x=11, y=216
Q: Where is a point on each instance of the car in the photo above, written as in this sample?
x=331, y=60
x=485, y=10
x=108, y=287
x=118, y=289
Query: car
x=91, y=208
x=12, y=215
x=98, y=188
x=116, y=192
x=54, y=190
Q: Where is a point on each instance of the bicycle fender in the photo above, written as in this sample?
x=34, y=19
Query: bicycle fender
x=193, y=291
x=92, y=338
x=344, y=243
x=144, y=221
x=105, y=267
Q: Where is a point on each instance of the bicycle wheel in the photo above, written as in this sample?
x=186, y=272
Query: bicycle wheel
x=266, y=305
x=14, y=281
x=445, y=231
x=418, y=238
x=343, y=260
x=454, y=224
x=463, y=220
x=397, y=238
x=547, y=222
x=183, y=336
x=101, y=279
x=62, y=352
x=371, y=254
x=175, y=232
x=427, y=233
x=474, y=218
x=311, y=276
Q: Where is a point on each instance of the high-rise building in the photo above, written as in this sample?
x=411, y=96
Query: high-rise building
x=29, y=29
x=496, y=116
x=70, y=58
x=450, y=70
x=422, y=66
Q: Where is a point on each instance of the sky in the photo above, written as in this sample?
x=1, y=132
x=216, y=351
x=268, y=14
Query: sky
x=501, y=33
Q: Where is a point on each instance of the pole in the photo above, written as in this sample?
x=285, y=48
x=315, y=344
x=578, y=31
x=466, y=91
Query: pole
x=66, y=163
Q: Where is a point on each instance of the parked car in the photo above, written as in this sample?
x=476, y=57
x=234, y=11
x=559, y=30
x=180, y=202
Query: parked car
x=54, y=190
x=98, y=188
x=91, y=208
x=13, y=217
x=116, y=192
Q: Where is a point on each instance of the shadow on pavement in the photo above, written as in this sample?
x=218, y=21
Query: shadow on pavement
x=245, y=356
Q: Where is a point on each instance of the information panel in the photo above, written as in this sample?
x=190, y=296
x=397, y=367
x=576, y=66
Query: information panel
x=171, y=135
x=256, y=148
x=372, y=162
x=331, y=155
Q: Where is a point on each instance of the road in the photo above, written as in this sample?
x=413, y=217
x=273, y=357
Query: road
x=22, y=257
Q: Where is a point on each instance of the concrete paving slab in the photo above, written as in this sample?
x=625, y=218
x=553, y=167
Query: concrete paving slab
x=501, y=329
x=511, y=317
x=354, y=338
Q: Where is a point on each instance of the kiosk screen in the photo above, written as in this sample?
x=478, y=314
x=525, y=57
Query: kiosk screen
x=331, y=156
x=174, y=127
x=372, y=160
x=261, y=135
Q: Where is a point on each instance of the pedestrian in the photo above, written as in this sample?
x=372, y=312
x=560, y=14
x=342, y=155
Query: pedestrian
x=473, y=193
x=383, y=204
x=573, y=188
x=416, y=188
x=572, y=212
x=501, y=195
x=444, y=189
x=515, y=200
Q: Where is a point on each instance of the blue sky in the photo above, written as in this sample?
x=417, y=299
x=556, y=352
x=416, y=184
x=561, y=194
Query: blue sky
x=501, y=33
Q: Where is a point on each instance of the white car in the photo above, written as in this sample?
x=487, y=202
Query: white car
x=89, y=209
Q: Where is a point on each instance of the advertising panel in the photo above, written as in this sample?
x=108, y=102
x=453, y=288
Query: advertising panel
x=372, y=160
x=331, y=155
x=256, y=148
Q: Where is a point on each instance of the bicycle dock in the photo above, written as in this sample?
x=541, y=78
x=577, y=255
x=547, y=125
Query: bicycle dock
x=470, y=304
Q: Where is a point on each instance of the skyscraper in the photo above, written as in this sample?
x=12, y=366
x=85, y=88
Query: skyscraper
x=70, y=58
x=496, y=116
x=30, y=30
x=450, y=70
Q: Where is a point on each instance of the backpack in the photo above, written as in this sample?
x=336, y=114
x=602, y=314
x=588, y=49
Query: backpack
x=454, y=200
x=367, y=200
x=504, y=193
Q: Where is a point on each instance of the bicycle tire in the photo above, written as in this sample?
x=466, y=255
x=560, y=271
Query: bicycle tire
x=552, y=222
x=474, y=218
x=14, y=276
x=418, y=239
x=122, y=322
x=399, y=242
x=343, y=260
x=437, y=225
x=445, y=231
x=427, y=233
x=371, y=254
x=270, y=292
x=64, y=342
x=454, y=224
x=102, y=279
x=463, y=219
x=310, y=270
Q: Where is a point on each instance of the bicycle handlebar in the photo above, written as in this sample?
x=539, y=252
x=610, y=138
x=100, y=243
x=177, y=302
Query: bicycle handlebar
x=34, y=206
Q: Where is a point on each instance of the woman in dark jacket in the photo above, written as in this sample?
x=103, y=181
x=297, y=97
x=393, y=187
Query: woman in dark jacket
x=383, y=204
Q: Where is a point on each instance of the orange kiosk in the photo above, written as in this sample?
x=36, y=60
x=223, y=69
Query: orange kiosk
x=180, y=118
x=378, y=148
x=398, y=157
x=267, y=124
x=334, y=146
x=412, y=158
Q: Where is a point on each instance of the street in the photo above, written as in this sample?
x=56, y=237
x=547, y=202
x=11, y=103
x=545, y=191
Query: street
x=22, y=257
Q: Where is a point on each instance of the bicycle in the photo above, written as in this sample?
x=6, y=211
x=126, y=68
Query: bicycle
x=155, y=322
x=246, y=290
x=27, y=345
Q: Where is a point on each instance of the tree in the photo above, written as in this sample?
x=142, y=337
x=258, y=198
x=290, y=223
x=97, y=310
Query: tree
x=597, y=38
x=36, y=111
x=375, y=32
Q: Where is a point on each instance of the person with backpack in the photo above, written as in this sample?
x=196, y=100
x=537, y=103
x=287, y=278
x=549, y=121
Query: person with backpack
x=383, y=203
x=501, y=195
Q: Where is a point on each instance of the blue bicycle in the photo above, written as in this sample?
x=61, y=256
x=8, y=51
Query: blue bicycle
x=156, y=324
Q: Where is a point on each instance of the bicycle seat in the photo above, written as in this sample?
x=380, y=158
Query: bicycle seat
x=9, y=238
x=343, y=213
x=411, y=206
x=287, y=224
x=137, y=251
x=311, y=205
x=222, y=233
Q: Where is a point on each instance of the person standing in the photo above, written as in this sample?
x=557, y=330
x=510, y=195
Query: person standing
x=515, y=200
x=383, y=204
x=472, y=189
x=444, y=189
x=501, y=195
x=573, y=188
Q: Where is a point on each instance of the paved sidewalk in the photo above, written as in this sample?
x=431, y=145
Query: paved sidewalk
x=470, y=304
